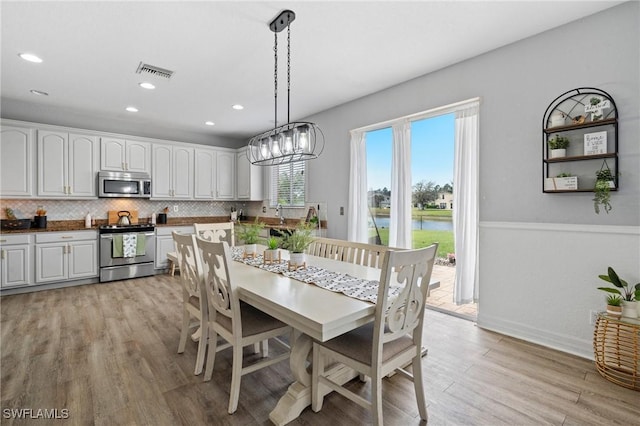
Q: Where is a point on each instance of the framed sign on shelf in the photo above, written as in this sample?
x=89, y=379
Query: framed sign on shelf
x=595, y=143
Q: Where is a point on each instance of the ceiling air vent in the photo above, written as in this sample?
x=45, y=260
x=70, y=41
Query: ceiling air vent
x=153, y=70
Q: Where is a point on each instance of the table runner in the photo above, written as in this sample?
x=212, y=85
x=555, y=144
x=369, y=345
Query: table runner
x=357, y=288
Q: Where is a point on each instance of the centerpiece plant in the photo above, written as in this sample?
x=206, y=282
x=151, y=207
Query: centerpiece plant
x=271, y=253
x=249, y=233
x=297, y=242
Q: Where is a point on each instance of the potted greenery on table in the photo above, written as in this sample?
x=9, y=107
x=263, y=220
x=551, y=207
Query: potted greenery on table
x=614, y=305
x=558, y=146
x=271, y=254
x=297, y=242
x=249, y=233
x=629, y=295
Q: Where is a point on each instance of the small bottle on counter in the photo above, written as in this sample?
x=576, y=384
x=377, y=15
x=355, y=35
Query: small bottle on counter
x=153, y=219
x=87, y=221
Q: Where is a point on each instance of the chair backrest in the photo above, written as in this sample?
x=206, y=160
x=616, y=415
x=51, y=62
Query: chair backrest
x=348, y=251
x=216, y=232
x=216, y=282
x=401, y=315
x=187, y=257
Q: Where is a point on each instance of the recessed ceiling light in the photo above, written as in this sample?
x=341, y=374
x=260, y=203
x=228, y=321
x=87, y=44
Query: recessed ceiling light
x=238, y=107
x=39, y=92
x=132, y=109
x=209, y=123
x=30, y=57
x=147, y=85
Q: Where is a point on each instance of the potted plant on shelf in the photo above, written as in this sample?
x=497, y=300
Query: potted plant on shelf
x=271, y=254
x=629, y=295
x=614, y=305
x=558, y=146
x=249, y=233
x=297, y=242
x=602, y=190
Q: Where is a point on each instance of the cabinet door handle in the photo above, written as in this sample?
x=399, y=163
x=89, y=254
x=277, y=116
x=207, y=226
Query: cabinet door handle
x=66, y=237
x=124, y=166
x=70, y=191
x=2, y=256
x=68, y=248
x=3, y=240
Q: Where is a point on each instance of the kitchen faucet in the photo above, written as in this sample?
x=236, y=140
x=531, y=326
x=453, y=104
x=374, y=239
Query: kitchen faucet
x=279, y=213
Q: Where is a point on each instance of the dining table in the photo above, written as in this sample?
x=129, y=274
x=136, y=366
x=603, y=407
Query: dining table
x=314, y=312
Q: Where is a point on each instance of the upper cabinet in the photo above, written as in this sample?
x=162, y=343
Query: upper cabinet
x=205, y=174
x=249, y=184
x=125, y=155
x=67, y=164
x=17, y=156
x=172, y=175
x=580, y=142
x=225, y=175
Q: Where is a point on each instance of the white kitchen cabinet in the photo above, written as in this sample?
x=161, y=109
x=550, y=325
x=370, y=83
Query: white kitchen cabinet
x=249, y=184
x=164, y=243
x=225, y=175
x=17, y=161
x=120, y=155
x=64, y=256
x=205, y=174
x=67, y=164
x=16, y=263
x=172, y=175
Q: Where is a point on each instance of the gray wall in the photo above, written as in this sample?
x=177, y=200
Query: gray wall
x=515, y=84
x=540, y=254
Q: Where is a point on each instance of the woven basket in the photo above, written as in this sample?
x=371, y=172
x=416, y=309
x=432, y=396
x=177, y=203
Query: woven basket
x=15, y=223
x=616, y=344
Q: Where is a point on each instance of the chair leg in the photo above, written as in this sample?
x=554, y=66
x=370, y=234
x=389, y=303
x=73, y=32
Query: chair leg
x=264, y=348
x=184, y=331
x=418, y=384
x=236, y=375
x=256, y=347
x=212, y=338
x=202, y=348
x=172, y=270
x=376, y=399
x=317, y=397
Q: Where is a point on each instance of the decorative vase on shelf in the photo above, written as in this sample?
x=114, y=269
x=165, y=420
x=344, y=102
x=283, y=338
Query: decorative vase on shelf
x=557, y=119
x=557, y=153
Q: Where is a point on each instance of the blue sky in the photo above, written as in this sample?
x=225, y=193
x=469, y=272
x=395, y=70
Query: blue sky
x=431, y=152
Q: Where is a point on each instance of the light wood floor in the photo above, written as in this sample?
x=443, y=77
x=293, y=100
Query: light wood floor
x=107, y=353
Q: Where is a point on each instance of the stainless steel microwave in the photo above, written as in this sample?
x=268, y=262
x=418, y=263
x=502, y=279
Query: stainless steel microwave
x=124, y=184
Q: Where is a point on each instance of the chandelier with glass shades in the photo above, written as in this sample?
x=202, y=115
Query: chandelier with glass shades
x=294, y=141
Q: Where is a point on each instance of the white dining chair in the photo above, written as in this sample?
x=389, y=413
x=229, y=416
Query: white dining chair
x=216, y=232
x=238, y=323
x=192, y=304
x=389, y=343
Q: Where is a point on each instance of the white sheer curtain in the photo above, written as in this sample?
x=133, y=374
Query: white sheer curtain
x=465, y=211
x=357, y=228
x=400, y=220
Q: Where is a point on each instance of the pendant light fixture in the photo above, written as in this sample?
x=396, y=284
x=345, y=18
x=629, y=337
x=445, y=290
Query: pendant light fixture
x=291, y=142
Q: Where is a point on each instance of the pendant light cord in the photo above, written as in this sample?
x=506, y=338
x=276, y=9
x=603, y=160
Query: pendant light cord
x=288, y=71
x=275, y=79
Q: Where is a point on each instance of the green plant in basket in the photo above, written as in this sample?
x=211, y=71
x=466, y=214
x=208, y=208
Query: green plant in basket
x=249, y=233
x=614, y=300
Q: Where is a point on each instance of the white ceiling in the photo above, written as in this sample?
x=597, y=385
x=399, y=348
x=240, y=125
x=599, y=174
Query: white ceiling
x=222, y=54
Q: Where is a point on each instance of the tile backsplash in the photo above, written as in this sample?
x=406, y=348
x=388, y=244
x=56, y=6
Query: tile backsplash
x=98, y=208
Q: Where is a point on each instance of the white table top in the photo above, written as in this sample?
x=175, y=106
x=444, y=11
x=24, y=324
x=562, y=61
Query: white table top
x=319, y=313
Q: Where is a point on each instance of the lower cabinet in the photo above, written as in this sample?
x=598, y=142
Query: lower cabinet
x=64, y=256
x=164, y=243
x=16, y=264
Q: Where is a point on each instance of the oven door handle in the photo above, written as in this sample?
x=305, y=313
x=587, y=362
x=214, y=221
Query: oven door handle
x=110, y=236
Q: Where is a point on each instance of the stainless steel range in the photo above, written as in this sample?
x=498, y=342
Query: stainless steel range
x=126, y=251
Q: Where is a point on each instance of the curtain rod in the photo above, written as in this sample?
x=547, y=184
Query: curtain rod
x=418, y=115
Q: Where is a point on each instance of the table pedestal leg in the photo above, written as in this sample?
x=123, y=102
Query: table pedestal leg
x=298, y=396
